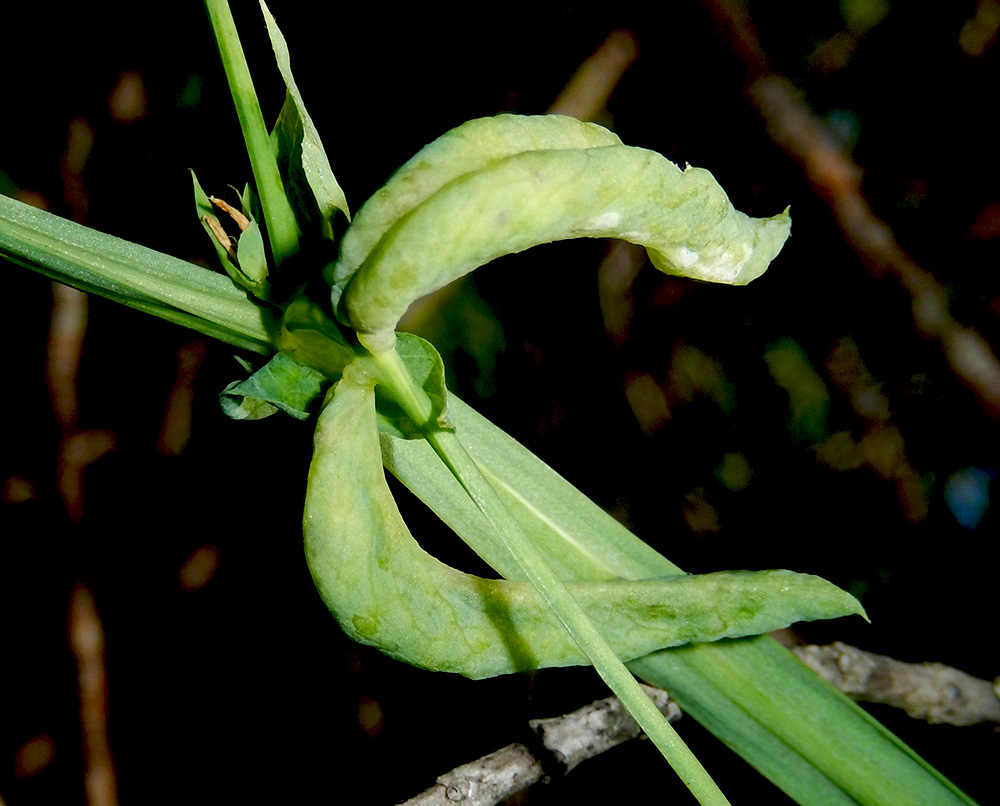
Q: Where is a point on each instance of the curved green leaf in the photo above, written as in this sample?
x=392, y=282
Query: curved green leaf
x=464, y=149
x=682, y=217
x=753, y=694
x=386, y=591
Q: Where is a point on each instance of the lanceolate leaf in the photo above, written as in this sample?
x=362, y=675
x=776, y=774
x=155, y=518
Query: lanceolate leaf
x=300, y=152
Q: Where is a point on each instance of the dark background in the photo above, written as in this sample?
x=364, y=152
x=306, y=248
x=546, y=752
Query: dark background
x=244, y=689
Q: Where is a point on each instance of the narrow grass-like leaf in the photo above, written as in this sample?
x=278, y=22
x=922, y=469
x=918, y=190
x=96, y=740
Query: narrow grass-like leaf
x=809, y=739
x=141, y=278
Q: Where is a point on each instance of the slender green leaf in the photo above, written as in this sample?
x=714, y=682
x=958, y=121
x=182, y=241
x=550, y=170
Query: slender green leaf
x=141, y=278
x=304, y=165
x=754, y=695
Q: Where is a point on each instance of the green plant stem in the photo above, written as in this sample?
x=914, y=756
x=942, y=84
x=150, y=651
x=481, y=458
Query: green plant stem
x=398, y=381
x=282, y=230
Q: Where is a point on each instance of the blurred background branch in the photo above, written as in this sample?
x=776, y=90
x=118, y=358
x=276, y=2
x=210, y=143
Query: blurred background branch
x=836, y=179
x=931, y=691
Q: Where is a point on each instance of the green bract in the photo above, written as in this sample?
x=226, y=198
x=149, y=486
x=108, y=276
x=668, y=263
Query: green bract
x=454, y=208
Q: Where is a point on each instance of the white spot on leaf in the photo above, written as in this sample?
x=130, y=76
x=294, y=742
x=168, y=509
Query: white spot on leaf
x=607, y=220
x=687, y=257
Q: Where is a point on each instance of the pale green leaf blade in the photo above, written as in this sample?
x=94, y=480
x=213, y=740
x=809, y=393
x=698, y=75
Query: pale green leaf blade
x=682, y=217
x=252, y=258
x=464, y=149
x=387, y=592
x=239, y=407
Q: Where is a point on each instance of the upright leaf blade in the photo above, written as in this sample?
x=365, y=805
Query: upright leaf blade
x=299, y=149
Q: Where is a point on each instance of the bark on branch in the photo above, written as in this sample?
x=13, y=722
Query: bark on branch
x=930, y=691
x=836, y=178
x=562, y=743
